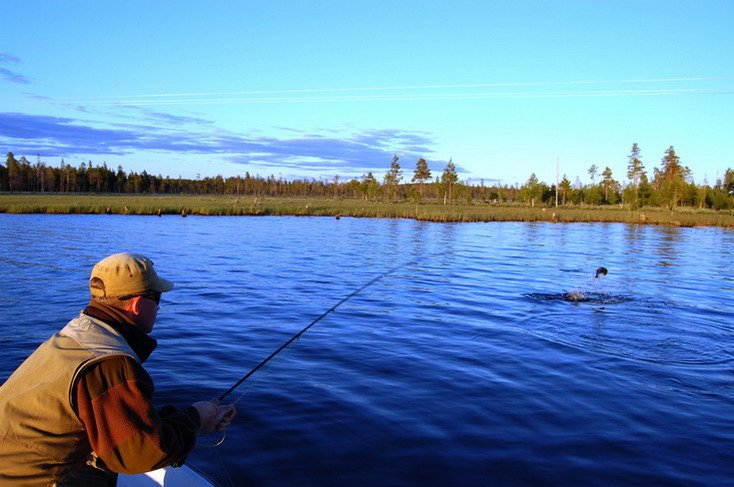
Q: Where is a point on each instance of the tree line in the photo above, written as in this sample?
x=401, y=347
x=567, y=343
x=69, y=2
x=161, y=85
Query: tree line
x=671, y=185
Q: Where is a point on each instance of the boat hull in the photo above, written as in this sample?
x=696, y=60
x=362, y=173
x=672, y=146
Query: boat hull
x=170, y=477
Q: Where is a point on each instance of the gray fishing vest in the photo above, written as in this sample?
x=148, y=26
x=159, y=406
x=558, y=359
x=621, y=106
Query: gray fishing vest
x=41, y=437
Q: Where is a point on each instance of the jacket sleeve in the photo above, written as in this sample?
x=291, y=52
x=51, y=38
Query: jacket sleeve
x=113, y=401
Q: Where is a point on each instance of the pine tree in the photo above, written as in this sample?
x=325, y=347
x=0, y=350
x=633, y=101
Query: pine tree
x=13, y=173
x=635, y=168
x=393, y=177
x=637, y=177
x=369, y=186
x=671, y=177
x=608, y=183
x=421, y=174
x=448, y=180
x=532, y=190
x=728, y=182
x=592, y=172
x=565, y=187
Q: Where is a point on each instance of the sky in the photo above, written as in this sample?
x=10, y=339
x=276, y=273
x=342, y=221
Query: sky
x=323, y=88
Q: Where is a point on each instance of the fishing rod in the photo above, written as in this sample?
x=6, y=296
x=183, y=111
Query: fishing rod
x=298, y=335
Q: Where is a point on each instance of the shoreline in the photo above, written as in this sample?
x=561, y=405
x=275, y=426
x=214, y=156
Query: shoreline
x=225, y=205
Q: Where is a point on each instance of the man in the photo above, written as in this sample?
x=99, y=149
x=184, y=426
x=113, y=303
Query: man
x=78, y=410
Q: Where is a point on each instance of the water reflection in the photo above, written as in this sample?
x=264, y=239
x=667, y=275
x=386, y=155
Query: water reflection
x=666, y=245
x=534, y=233
x=457, y=360
x=420, y=239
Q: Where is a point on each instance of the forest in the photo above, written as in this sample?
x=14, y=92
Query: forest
x=669, y=185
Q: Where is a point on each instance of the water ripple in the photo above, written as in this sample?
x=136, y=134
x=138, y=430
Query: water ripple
x=468, y=363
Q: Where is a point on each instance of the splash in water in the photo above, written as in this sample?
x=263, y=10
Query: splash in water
x=578, y=297
x=583, y=296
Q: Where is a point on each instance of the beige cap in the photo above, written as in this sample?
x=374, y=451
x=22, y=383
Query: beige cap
x=126, y=274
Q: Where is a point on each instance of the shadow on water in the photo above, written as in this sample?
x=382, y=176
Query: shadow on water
x=625, y=331
x=582, y=297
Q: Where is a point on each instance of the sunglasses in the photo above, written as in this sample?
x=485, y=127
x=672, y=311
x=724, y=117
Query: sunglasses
x=152, y=295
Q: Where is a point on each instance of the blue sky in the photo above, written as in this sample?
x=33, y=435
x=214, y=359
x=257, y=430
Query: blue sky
x=318, y=88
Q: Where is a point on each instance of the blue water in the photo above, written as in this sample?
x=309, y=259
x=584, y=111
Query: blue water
x=463, y=367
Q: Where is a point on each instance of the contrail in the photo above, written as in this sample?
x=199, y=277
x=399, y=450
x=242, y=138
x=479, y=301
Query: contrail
x=378, y=93
x=418, y=97
x=432, y=87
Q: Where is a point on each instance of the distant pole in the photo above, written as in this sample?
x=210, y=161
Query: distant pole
x=557, y=175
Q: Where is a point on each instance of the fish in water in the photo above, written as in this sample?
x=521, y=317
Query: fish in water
x=577, y=296
x=574, y=296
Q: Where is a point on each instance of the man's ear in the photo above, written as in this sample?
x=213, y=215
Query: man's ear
x=133, y=305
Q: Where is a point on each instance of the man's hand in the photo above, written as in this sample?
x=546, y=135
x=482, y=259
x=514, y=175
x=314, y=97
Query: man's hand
x=214, y=417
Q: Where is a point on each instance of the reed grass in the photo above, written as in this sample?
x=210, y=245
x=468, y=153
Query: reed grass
x=234, y=205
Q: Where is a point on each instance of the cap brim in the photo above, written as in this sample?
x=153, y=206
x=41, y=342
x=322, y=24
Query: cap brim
x=162, y=285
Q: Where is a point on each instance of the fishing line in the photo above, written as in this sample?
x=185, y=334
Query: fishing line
x=285, y=345
x=298, y=335
x=252, y=383
x=274, y=354
x=222, y=466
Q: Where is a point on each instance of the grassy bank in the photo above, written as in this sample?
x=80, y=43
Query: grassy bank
x=231, y=205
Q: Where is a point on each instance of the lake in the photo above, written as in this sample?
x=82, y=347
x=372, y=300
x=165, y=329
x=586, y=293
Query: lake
x=463, y=366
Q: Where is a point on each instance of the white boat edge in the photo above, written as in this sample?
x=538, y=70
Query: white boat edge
x=183, y=476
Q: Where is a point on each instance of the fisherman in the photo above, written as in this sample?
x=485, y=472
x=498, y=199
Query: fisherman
x=78, y=410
